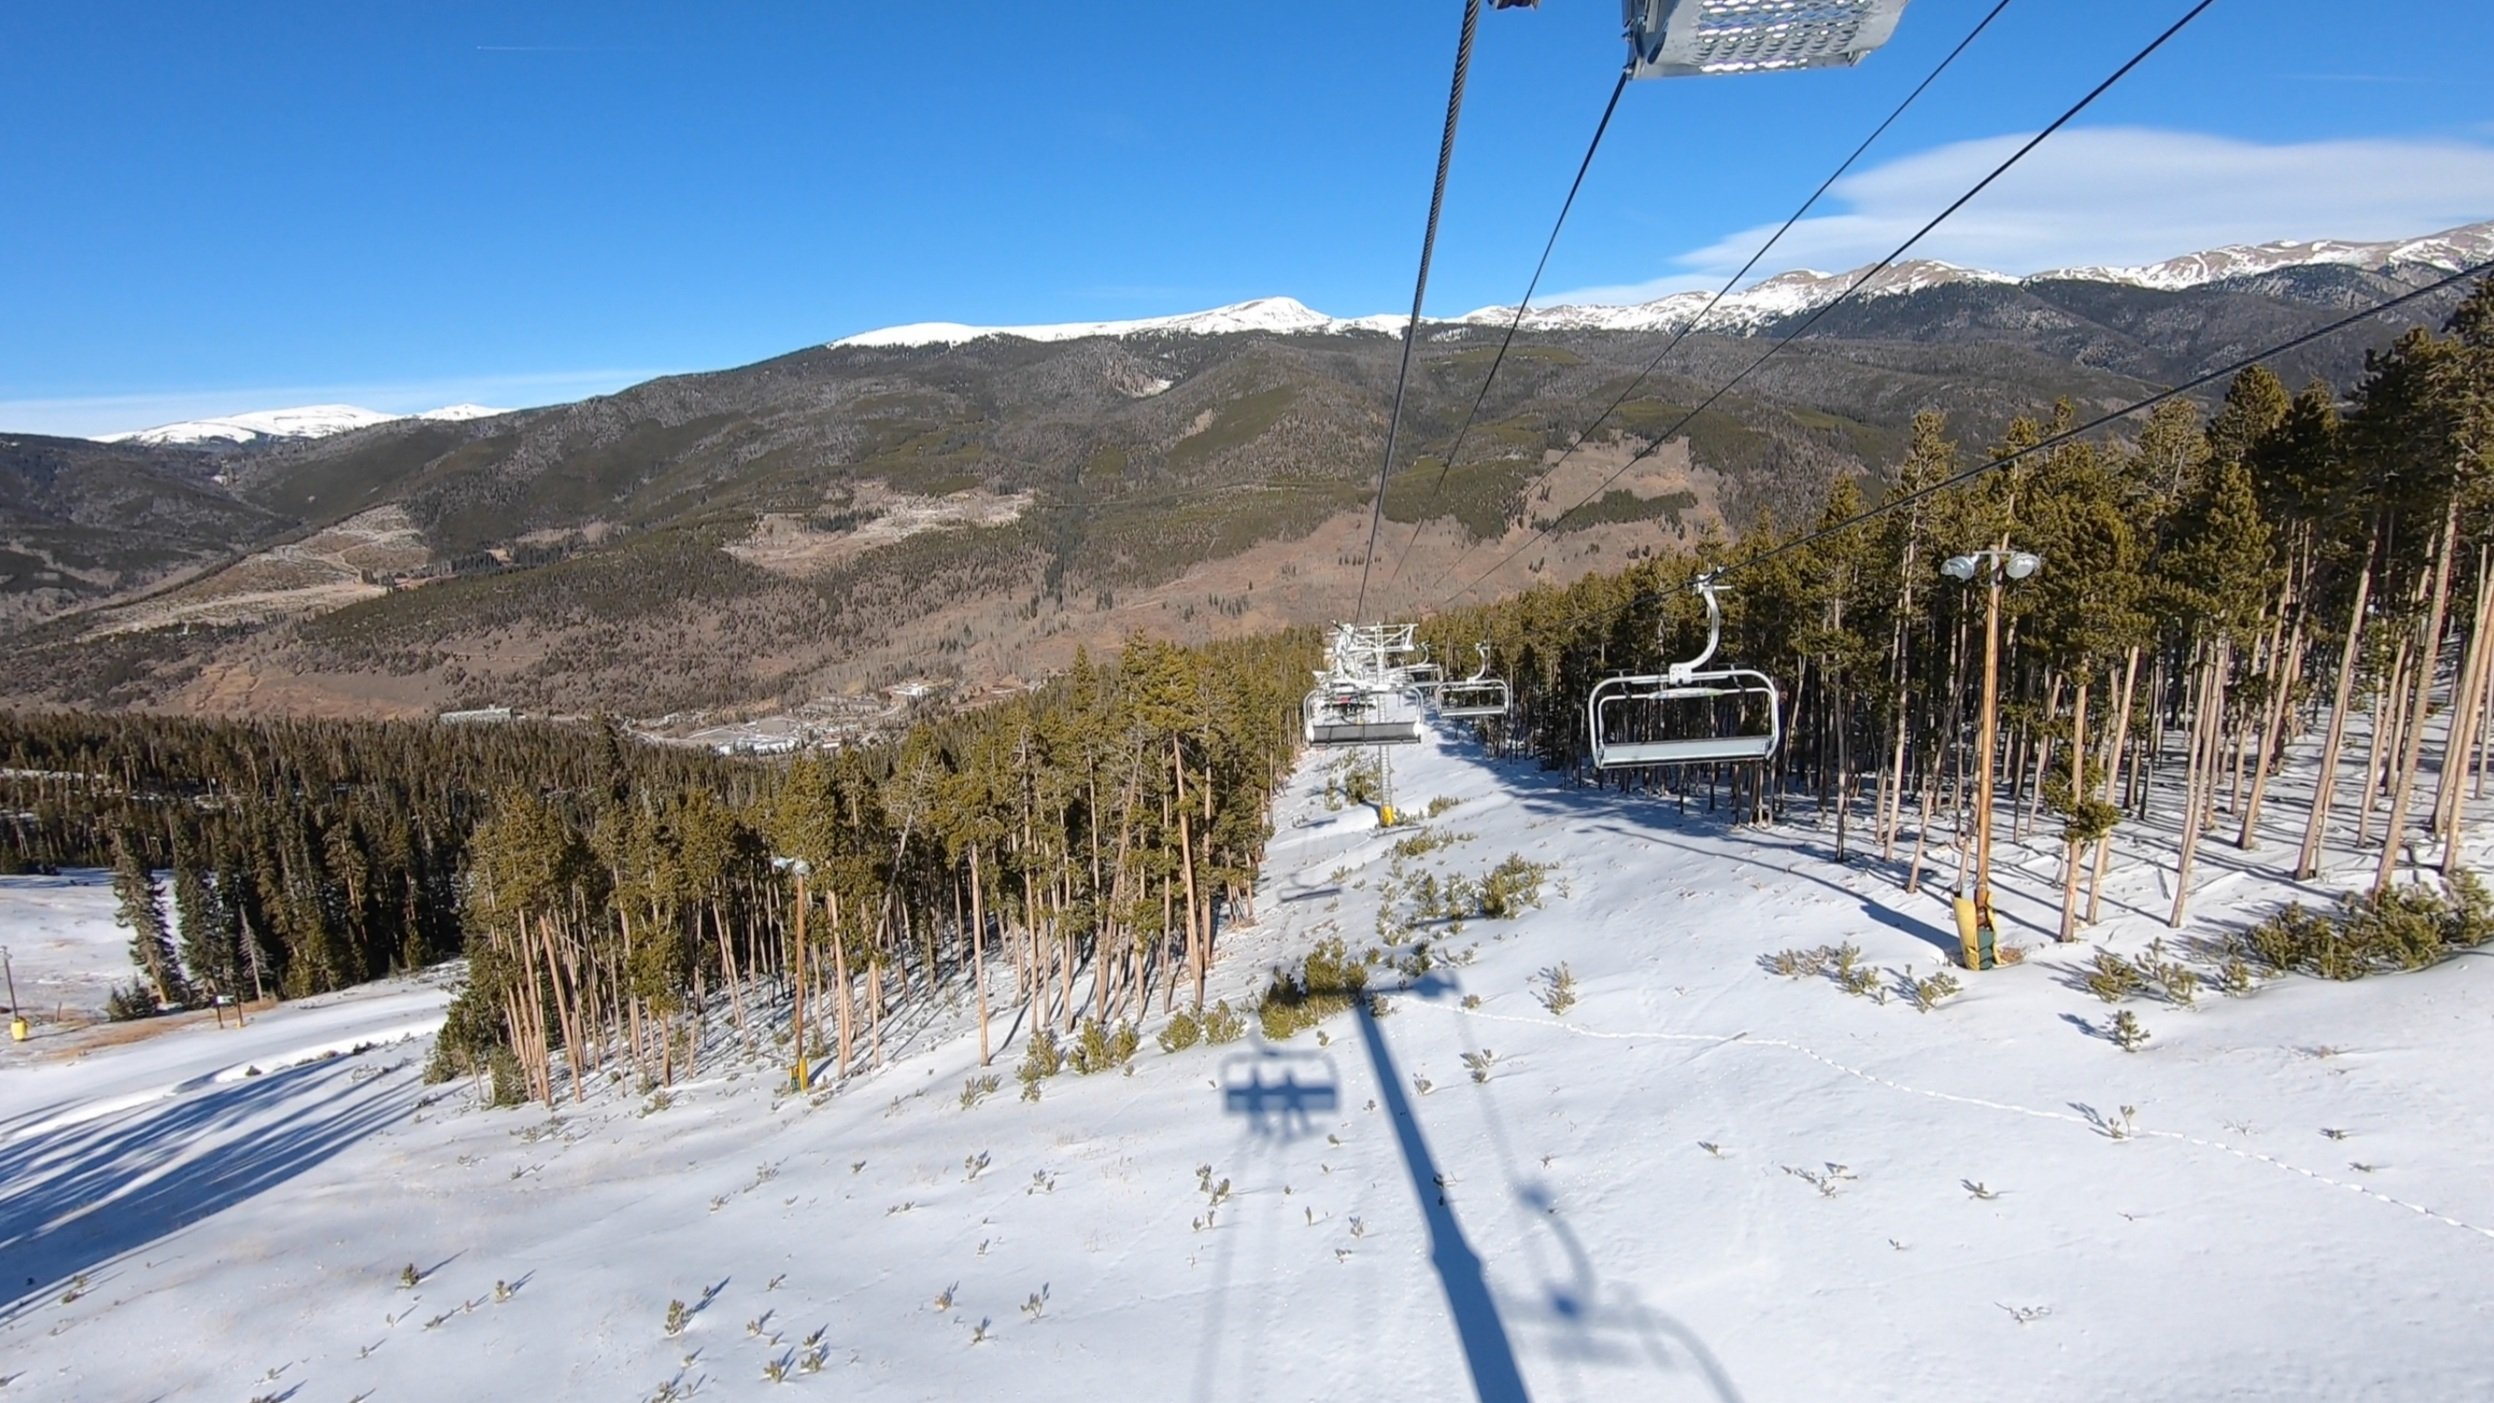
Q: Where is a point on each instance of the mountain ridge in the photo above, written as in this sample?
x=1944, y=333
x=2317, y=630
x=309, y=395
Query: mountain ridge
x=297, y=422
x=1748, y=309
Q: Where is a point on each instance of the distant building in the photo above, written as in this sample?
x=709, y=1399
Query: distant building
x=480, y=716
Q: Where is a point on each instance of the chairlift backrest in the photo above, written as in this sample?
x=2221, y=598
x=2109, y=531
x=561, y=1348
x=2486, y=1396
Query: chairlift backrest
x=1687, y=714
x=1478, y=696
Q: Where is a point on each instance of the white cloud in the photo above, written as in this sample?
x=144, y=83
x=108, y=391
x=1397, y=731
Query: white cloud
x=2109, y=196
x=84, y=416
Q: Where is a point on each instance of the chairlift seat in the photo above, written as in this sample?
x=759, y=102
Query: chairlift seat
x=1336, y=717
x=1616, y=746
x=1473, y=700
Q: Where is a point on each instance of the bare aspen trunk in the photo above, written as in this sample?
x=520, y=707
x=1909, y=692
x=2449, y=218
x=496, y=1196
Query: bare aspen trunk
x=2272, y=732
x=2466, y=716
x=2114, y=759
x=2043, y=757
x=2308, y=863
x=2078, y=793
x=841, y=1007
x=2379, y=744
x=978, y=951
x=2199, y=776
x=1922, y=833
x=2413, y=742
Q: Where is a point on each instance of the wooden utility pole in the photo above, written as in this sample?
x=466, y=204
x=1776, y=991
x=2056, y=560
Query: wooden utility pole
x=1987, y=734
x=798, y=1021
x=1977, y=932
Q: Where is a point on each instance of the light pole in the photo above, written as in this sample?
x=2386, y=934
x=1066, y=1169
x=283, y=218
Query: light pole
x=1976, y=932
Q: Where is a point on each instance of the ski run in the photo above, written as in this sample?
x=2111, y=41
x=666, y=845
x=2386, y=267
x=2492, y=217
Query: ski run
x=1600, y=1150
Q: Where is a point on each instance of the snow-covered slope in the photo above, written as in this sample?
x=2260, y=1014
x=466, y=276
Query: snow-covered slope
x=304, y=421
x=1699, y=1181
x=1761, y=302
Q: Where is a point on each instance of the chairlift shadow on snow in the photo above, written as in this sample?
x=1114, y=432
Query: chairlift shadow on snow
x=91, y=1193
x=1279, y=1091
x=1604, y=1324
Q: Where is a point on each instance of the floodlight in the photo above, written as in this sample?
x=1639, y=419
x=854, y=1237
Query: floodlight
x=1958, y=567
x=2022, y=564
x=1688, y=38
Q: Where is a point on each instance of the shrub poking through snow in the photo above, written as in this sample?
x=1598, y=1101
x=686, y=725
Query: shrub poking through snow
x=1098, y=1047
x=1328, y=982
x=1427, y=841
x=1224, y=1024
x=2179, y=982
x=1478, y=1063
x=2113, y=978
x=1182, y=1033
x=1510, y=887
x=2404, y=928
x=2127, y=1032
x=677, y=1318
x=1041, y=1061
x=978, y=1088
x=1926, y=994
x=1558, y=989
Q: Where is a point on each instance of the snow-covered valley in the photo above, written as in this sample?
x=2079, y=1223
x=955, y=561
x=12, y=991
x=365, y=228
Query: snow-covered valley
x=1700, y=1180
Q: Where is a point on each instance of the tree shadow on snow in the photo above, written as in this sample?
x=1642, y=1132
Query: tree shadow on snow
x=90, y=1193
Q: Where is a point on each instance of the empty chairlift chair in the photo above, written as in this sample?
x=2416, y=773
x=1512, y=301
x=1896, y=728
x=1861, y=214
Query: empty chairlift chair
x=1688, y=714
x=1345, y=712
x=1477, y=697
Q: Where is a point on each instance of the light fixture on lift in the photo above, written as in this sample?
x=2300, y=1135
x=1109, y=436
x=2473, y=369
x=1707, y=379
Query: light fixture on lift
x=1687, y=38
x=2022, y=564
x=1958, y=567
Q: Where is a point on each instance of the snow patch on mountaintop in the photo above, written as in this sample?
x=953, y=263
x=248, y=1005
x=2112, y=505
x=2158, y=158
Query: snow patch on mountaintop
x=2450, y=250
x=1279, y=315
x=1746, y=309
x=302, y=421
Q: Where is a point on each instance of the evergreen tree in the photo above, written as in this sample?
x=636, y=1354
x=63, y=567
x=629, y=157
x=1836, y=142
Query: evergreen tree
x=141, y=911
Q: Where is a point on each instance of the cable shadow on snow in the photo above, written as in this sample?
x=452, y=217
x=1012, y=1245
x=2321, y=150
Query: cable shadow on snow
x=91, y=1193
x=1489, y=1355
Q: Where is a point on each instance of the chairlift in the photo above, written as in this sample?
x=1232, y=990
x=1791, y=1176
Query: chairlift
x=1341, y=713
x=1477, y=696
x=1688, y=714
x=1695, y=38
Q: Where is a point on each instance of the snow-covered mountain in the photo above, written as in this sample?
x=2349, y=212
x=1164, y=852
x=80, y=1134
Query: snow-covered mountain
x=1276, y=314
x=303, y=421
x=1762, y=302
x=2450, y=250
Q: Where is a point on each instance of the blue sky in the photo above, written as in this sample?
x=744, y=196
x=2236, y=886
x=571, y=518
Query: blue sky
x=216, y=208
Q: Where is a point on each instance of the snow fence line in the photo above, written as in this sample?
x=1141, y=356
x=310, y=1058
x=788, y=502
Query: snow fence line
x=1745, y=1040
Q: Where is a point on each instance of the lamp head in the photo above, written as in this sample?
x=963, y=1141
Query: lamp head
x=1958, y=567
x=2022, y=564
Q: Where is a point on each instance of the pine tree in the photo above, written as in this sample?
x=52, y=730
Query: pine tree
x=142, y=913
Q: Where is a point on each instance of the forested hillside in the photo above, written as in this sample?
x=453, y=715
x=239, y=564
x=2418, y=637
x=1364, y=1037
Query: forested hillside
x=848, y=517
x=2236, y=579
